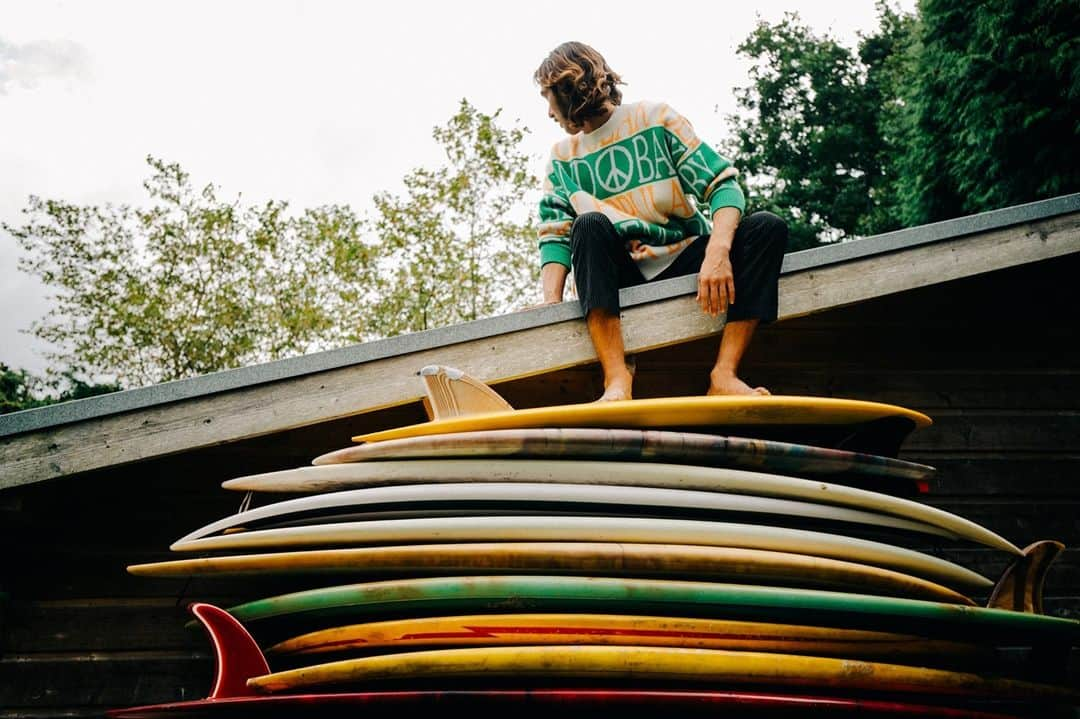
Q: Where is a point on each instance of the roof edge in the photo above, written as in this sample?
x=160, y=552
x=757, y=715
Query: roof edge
x=144, y=397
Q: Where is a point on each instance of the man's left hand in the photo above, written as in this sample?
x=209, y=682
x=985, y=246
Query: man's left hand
x=716, y=282
x=716, y=279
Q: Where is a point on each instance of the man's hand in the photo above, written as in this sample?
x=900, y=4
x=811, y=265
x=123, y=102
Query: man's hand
x=716, y=279
x=537, y=305
x=553, y=276
x=716, y=282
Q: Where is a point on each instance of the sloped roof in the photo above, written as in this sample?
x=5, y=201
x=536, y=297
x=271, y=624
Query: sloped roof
x=136, y=424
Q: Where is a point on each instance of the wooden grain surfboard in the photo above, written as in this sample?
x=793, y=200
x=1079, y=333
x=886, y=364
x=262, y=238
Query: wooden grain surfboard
x=596, y=559
x=709, y=450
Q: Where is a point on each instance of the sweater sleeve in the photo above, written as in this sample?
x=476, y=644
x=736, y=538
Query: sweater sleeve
x=703, y=173
x=556, y=216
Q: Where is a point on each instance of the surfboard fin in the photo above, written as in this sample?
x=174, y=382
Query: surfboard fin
x=236, y=655
x=452, y=393
x=1020, y=588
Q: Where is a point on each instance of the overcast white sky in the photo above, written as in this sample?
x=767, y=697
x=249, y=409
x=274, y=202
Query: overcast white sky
x=317, y=102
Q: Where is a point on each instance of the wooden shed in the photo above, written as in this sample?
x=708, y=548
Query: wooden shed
x=971, y=321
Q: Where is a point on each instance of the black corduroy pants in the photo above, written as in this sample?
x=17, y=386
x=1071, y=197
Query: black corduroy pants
x=602, y=265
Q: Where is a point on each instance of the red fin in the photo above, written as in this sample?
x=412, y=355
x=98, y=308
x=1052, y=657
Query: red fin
x=237, y=656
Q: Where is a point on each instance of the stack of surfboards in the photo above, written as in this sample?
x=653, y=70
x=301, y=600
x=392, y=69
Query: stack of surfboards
x=686, y=552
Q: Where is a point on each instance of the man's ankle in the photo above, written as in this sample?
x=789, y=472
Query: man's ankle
x=625, y=377
x=722, y=371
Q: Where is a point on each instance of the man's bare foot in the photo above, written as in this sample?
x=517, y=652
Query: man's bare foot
x=721, y=383
x=618, y=388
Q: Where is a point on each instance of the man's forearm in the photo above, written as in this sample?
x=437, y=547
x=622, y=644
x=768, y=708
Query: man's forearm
x=725, y=221
x=554, y=278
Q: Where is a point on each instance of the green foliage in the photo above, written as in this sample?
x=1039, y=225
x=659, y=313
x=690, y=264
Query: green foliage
x=17, y=390
x=993, y=114
x=190, y=284
x=459, y=244
x=813, y=139
x=967, y=107
x=21, y=390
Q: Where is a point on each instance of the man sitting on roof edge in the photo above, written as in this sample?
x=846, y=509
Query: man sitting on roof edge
x=622, y=206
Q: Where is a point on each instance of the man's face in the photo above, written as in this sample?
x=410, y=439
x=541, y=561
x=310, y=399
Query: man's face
x=555, y=114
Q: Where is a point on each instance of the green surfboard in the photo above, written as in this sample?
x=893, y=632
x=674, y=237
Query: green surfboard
x=600, y=595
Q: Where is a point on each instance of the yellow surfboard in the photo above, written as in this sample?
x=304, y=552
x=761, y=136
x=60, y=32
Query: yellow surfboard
x=613, y=629
x=603, y=663
x=592, y=558
x=732, y=411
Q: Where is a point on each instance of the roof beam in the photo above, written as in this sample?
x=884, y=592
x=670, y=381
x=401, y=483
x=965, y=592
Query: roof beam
x=661, y=316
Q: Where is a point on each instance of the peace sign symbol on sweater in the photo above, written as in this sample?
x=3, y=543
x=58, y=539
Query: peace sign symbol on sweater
x=615, y=168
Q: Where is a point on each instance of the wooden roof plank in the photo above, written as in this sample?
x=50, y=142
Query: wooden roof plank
x=533, y=348
x=228, y=380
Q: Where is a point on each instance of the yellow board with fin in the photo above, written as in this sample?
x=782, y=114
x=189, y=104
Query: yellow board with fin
x=671, y=412
x=607, y=629
x=600, y=663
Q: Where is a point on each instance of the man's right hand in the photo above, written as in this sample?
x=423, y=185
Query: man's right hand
x=554, y=278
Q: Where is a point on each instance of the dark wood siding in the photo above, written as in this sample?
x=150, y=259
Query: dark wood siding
x=993, y=359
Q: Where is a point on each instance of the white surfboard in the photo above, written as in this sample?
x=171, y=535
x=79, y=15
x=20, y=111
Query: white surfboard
x=597, y=529
x=324, y=507
x=334, y=477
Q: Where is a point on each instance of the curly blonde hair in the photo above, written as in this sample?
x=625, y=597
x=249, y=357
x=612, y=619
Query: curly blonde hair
x=580, y=80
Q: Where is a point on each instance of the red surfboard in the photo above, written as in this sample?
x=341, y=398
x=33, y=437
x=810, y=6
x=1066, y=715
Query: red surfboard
x=238, y=658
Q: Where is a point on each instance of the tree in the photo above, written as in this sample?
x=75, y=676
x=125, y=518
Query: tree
x=993, y=111
x=191, y=284
x=17, y=390
x=21, y=390
x=814, y=139
x=460, y=243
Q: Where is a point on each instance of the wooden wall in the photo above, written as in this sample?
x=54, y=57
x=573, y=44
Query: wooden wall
x=993, y=359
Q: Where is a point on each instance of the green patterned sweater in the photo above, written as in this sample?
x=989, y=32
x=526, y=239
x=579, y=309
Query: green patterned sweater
x=648, y=172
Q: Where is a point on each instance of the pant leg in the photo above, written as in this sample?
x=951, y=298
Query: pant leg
x=601, y=263
x=757, y=252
